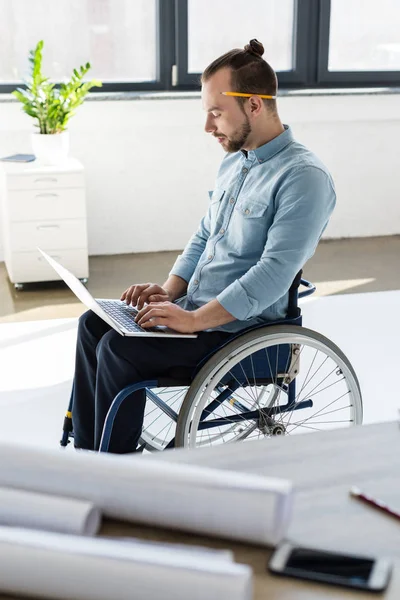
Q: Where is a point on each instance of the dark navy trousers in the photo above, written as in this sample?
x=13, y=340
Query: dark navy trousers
x=106, y=362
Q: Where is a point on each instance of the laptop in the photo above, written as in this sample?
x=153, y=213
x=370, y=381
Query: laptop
x=116, y=313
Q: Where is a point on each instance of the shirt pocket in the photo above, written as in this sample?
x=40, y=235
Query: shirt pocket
x=216, y=197
x=249, y=226
x=249, y=209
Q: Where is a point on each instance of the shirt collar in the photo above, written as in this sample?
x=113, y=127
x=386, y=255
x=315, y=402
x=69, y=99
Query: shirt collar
x=268, y=150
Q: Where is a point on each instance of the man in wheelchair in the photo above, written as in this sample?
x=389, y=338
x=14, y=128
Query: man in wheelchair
x=271, y=202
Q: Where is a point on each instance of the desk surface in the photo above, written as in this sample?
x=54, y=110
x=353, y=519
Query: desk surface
x=322, y=467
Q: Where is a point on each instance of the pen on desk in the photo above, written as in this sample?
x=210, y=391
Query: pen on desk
x=378, y=504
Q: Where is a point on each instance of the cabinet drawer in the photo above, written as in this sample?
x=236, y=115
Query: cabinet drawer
x=65, y=234
x=52, y=204
x=25, y=267
x=44, y=181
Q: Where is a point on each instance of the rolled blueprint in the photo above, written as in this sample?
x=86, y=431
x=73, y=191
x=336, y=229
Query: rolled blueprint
x=225, y=504
x=52, y=513
x=59, y=566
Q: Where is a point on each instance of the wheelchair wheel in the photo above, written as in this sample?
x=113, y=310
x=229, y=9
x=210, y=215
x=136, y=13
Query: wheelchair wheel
x=275, y=380
x=158, y=427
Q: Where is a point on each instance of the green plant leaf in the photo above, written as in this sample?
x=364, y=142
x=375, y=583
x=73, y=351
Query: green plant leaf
x=52, y=106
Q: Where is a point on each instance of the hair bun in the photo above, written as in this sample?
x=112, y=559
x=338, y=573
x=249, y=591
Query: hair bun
x=255, y=47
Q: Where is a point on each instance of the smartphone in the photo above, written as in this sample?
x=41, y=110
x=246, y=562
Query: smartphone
x=360, y=572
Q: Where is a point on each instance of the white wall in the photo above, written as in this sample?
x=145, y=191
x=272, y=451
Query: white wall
x=149, y=164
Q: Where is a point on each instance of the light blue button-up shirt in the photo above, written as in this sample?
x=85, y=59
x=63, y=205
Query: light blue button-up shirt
x=266, y=215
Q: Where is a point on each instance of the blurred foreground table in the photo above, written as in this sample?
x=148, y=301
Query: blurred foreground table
x=323, y=467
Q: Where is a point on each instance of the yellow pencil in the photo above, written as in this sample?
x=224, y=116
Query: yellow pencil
x=241, y=95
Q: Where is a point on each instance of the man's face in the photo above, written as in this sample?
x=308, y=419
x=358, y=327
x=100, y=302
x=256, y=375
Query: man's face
x=225, y=119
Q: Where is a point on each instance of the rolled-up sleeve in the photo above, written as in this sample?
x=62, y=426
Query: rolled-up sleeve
x=186, y=262
x=304, y=203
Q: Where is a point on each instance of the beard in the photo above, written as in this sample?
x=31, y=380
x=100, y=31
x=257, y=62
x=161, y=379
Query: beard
x=238, y=138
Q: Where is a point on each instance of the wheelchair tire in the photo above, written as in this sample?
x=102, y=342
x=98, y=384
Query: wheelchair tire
x=210, y=376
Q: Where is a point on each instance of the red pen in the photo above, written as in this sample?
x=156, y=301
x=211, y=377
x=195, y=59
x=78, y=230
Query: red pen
x=378, y=504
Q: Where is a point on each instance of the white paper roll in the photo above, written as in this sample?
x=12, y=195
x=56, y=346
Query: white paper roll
x=44, y=511
x=57, y=566
x=222, y=503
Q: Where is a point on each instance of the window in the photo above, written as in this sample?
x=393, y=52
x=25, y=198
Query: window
x=359, y=43
x=166, y=44
x=364, y=35
x=118, y=38
x=209, y=17
x=206, y=29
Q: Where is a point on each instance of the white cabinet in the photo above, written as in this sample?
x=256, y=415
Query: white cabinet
x=43, y=206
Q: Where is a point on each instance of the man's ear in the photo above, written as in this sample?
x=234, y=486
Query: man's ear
x=255, y=104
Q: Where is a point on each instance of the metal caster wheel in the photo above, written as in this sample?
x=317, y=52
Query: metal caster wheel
x=84, y=280
x=19, y=287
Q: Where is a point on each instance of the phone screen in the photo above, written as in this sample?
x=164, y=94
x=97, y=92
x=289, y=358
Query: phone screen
x=354, y=569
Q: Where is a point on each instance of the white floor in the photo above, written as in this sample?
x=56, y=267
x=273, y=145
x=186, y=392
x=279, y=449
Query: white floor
x=37, y=362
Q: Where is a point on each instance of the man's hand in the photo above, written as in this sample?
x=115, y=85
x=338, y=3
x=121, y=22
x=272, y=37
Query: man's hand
x=140, y=293
x=167, y=314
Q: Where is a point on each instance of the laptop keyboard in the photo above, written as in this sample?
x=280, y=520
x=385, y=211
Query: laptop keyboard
x=124, y=315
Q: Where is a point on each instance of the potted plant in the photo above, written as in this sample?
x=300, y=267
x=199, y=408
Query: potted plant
x=52, y=106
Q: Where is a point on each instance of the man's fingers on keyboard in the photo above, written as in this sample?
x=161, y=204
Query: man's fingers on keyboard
x=141, y=312
x=151, y=317
x=124, y=294
x=144, y=311
x=128, y=298
x=128, y=294
x=145, y=295
x=137, y=293
x=154, y=322
x=141, y=301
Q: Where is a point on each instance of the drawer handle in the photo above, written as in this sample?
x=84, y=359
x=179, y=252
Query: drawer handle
x=47, y=227
x=51, y=179
x=55, y=256
x=46, y=195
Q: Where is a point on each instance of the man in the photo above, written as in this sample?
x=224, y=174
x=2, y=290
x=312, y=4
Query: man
x=271, y=203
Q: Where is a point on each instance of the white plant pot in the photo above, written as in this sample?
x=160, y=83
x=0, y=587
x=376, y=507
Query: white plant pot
x=51, y=149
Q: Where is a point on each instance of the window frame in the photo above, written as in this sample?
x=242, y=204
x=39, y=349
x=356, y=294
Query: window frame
x=302, y=30
x=310, y=55
x=165, y=56
x=345, y=78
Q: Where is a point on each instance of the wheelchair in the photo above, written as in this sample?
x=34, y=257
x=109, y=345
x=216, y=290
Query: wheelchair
x=272, y=379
